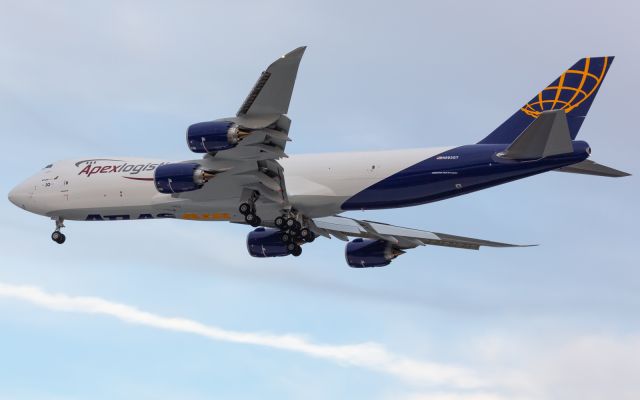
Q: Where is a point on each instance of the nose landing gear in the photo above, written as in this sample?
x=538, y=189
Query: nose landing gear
x=58, y=236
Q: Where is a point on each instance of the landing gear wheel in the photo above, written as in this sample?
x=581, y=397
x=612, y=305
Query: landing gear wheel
x=252, y=219
x=58, y=237
x=286, y=238
x=296, y=251
x=245, y=208
x=307, y=235
x=294, y=232
x=291, y=247
x=279, y=222
x=290, y=222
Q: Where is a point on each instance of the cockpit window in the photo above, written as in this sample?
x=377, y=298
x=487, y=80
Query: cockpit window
x=48, y=166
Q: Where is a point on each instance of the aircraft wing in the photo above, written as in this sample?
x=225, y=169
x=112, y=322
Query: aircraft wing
x=272, y=92
x=401, y=238
x=263, y=129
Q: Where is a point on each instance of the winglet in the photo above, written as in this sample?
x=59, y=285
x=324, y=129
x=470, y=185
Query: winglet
x=272, y=92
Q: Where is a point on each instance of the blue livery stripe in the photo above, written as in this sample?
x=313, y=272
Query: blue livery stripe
x=453, y=173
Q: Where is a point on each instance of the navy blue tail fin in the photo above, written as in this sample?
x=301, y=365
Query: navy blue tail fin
x=573, y=92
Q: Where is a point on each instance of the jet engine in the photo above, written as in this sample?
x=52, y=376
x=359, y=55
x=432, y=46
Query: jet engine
x=212, y=136
x=267, y=242
x=367, y=253
x=180, y=177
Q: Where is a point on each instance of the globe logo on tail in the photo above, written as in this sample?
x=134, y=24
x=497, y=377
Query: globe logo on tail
x=571, y=89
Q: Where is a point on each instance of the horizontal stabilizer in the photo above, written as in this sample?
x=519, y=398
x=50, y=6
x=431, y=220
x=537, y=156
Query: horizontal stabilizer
x=547, y=135
x=589, y=167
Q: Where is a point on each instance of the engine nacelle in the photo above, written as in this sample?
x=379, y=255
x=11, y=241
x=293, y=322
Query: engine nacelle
x=367, y=253
x=179, y=177
x=266, y=242
x=212, y=136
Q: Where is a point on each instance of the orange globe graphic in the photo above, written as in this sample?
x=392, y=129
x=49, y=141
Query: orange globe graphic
x=570, y=90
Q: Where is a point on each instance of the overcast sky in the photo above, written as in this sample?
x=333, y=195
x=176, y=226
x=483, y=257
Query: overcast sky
x=178, y=310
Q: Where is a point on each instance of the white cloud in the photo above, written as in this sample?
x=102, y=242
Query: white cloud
x=589, y=367
x=368, y=355
x=454, y=396
x=512, y=366
x=584, y=366
x=522, y=367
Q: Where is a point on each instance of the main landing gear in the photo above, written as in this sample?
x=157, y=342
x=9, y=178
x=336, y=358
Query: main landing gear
x=294, y=234
x=248, y=209
x=58, y=236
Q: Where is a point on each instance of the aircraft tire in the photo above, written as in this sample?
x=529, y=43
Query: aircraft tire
x=58, y=237
x=244, y=208
x=286, y=238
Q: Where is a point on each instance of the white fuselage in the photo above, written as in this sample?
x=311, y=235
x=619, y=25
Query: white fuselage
x=116, y=188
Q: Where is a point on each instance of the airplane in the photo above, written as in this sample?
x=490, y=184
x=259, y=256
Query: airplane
x=245, y=176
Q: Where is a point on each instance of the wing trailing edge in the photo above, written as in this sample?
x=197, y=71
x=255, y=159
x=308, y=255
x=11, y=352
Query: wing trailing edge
x=400, y=237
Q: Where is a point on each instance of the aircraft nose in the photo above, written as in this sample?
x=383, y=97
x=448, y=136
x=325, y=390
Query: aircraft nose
x=18, y=196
